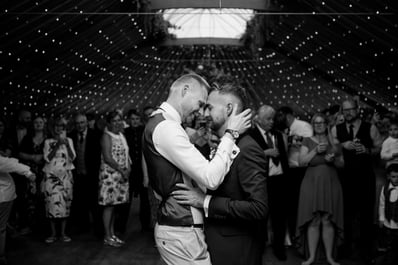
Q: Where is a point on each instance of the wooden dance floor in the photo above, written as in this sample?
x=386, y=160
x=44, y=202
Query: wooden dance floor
x=86, y=249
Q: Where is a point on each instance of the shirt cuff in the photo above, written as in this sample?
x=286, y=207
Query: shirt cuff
x=206, y=203
x=229, y=146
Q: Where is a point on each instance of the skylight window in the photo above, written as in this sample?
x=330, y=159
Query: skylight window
x=207, y=23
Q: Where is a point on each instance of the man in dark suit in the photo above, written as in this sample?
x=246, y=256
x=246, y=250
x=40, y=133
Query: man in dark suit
x=85, y=209
x=133, y=136
x=236, y=211
x=274, y=144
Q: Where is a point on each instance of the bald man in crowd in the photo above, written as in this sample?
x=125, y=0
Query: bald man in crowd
x=274, y=144
x=172, y=159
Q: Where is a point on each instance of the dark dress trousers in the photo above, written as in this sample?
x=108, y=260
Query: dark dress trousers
x=276, y=188
x=235, y=225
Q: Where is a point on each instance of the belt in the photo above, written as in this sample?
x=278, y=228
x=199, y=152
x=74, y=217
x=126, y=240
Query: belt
x=193, y=225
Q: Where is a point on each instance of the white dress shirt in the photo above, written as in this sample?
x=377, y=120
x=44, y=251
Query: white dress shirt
x=273, y=170
x=7, y=186
x=388, y=148
x=298, y=128
x=172, y=142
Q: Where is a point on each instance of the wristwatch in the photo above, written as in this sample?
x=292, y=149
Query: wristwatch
x=234, y=133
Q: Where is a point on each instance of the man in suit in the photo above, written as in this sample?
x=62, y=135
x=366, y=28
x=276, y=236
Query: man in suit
x=360, y=141
x=274, y=144
x=133, y=136
x=86, y=141
x=236, y=211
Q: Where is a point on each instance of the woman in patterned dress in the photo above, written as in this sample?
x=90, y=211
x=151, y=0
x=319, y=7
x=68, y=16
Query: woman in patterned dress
x=114, y=175
x=58, y=181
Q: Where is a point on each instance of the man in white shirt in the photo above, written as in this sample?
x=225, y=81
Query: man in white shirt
x=171, y=158
x=298, y=129
x=8, y=195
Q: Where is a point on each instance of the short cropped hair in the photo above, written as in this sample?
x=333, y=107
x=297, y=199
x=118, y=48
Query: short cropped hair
x=392, y=168
x=234, y=89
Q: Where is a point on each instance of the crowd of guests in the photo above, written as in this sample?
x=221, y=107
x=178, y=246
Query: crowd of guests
x=333, y=179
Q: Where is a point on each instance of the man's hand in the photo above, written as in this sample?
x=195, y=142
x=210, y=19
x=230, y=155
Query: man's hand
x=360, y=148
x=189, y=196
x=349, y=145
x=272, y=152
x=239, y=122
x=31, y=176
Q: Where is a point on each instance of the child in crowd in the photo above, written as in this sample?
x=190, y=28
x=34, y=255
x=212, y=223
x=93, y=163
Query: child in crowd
x=389, y=149
x=388, y=213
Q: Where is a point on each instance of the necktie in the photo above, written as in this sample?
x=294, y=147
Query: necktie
x=270, y=143
x=81, y=137
x=351, y=132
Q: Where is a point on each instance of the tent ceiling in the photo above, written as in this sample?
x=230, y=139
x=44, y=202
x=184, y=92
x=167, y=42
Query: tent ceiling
x=91, y=55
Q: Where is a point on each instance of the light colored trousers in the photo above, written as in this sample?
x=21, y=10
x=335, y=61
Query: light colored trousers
x=182, y=245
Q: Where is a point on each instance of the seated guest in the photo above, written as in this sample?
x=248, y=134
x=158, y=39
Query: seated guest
x=114, y=175
x=58, y=179
x=320, y=212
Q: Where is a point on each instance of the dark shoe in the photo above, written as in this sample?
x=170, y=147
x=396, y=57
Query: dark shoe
x=280, y=254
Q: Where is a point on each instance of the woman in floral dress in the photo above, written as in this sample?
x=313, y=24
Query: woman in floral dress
x=58, y=179
x=114, y=175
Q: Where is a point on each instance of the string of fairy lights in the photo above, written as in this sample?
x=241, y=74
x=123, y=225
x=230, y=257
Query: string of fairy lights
x=60, y=57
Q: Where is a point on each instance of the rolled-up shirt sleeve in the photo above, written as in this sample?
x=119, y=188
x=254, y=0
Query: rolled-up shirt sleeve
x=8, y=165
x=172, y=142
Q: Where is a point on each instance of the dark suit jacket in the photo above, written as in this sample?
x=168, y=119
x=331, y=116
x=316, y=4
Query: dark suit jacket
x=238, y=208
x=92, y=154
x=256, y=134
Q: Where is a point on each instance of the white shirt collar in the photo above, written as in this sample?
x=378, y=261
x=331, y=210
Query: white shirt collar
x=263, y=132
x=169, y=111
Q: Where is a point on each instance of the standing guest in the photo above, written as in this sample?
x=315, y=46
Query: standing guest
x=85, y=209
x=388, y=213
x=274, y=144
x=237, y=210
x=172, y=159
x=320, y=209
x=298, y=129
x=133, y=136
x=31, y=154
x=153, y=201
x=58, y=180
x=360, y=140
x=8, y=195
x=389, y=149
x=5, y=141
x=114, y=175
x=20, y=210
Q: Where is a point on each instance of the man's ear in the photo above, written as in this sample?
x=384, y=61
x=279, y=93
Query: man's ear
x=184, y=90
x=230, y=108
